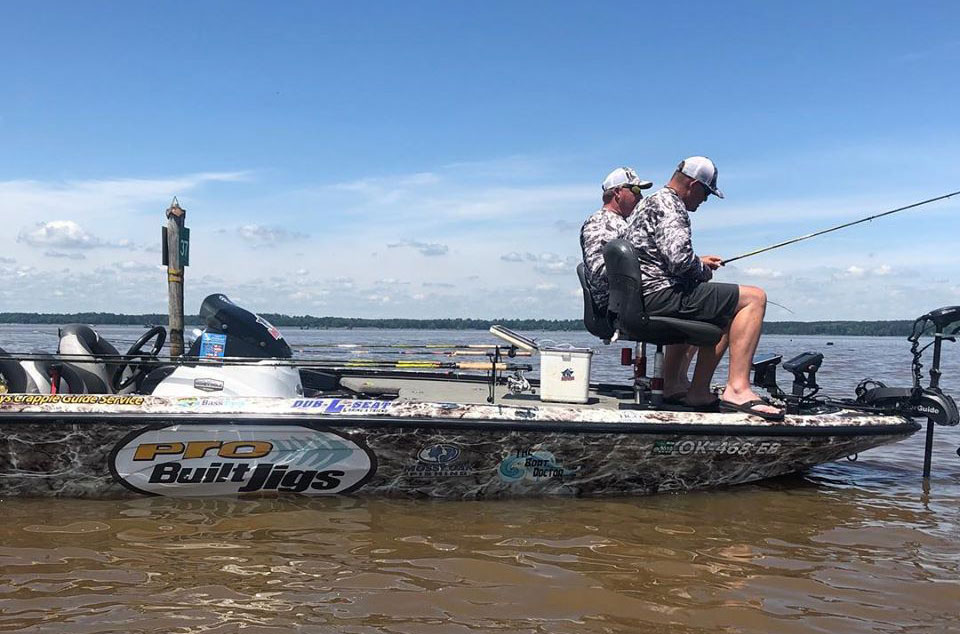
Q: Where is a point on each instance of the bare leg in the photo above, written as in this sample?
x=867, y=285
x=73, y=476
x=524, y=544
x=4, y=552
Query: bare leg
x=744, y=335
x=707, y=359
x=676, y=366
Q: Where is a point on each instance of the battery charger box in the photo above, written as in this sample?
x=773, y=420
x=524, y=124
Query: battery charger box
x=565, y=374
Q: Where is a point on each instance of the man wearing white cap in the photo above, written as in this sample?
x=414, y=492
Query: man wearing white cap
x=676, y=283
x=621, y=193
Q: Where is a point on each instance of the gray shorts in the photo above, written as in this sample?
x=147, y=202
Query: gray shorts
x=712, y=302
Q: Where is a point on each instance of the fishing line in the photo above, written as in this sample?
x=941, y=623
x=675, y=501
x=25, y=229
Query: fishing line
x=781, y=306
x=848, y=224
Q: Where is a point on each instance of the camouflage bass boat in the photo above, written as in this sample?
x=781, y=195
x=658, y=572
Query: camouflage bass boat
x=239, y=415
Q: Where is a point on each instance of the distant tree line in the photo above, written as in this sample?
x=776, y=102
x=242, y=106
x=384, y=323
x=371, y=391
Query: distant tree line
x=899, y=328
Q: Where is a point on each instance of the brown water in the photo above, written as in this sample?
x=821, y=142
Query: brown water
x=849, y=547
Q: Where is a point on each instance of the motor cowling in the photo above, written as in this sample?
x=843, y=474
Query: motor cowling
x=243, y=333
x=928, y=403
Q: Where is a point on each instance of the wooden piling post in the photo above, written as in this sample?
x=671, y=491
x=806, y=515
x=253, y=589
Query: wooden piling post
x=176, y=257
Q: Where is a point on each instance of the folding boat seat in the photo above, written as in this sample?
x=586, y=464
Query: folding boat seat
x=626, y=315
x=81, y=341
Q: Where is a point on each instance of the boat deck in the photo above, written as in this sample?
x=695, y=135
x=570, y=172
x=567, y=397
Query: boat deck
x=475, y=391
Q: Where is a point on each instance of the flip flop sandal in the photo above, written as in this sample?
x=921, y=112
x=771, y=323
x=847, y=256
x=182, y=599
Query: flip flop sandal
x=748, y=408
x=676, y=399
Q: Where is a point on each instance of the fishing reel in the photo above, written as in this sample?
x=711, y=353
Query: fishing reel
x=804, y=368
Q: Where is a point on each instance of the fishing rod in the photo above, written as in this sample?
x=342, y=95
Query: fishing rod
x=121, y=359
x=843, y=226
x=445, y=353
x=411, y=346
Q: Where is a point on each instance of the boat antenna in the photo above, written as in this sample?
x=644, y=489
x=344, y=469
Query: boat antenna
x=848, y=224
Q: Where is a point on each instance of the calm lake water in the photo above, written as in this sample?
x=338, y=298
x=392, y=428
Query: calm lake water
x=859, y=546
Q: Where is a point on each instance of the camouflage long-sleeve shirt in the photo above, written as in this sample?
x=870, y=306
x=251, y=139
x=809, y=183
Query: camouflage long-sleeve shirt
x=600, y=228
x=659, y=230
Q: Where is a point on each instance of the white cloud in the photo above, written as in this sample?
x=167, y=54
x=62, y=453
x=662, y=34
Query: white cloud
x=62, y=234
x=267, y=236
x=425, y=248
x=99, y=198
x=762, y=272
x=74, y=255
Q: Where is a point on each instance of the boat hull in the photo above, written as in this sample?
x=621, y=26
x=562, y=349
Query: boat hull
x=255, y=447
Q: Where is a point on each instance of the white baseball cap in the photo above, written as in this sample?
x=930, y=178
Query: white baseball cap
x=624, y=176
x=701, y=169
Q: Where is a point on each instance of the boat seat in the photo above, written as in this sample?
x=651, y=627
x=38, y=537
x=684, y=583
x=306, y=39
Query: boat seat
x=626, y=316
x=627, y=311
x=32, y=376
x=80, y=341
x=594, y=317
x=13, y=373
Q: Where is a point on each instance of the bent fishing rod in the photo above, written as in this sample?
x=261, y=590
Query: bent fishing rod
x=843, y=226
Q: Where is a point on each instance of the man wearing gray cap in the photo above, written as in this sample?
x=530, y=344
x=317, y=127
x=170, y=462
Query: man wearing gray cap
x=621, y=193
x=676, y=283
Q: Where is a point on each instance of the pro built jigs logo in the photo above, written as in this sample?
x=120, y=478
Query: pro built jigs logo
x=192, y=460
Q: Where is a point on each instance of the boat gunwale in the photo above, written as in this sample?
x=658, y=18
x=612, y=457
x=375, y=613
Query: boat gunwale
x=904, y=426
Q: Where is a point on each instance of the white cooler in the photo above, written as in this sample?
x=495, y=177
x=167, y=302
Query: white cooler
x=565, y=374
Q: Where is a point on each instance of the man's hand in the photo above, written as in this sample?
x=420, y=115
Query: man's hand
x=712, y=262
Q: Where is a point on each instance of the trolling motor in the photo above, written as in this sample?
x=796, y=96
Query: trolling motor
x=910, y=402
x=919, y=402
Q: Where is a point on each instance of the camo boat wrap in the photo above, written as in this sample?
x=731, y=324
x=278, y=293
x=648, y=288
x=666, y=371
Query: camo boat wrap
x=118, y=446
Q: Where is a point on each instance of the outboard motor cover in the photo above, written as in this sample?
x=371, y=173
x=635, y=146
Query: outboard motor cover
x=247, y=334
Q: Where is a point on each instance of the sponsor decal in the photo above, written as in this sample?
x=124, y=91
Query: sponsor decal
x=567, y=375
x=218, y=402
x=926, y=409
x=212, y=344
x=191, y=460
x=440, y=460
x=439, y=454
x=341, y=405
x=208, y=385
x=714, y=447
x=71, y=399
x=270, y=328
x=532, y=464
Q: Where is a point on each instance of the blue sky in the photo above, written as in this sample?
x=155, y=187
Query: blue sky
x=436, y=159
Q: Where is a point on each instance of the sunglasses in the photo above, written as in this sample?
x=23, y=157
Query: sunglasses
x=635, y=189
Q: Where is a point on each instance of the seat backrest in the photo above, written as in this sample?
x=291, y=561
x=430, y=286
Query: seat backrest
x=623, y=273
x=13, y=374
x=78, y=341
x=594, y=317
x=32, y=376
